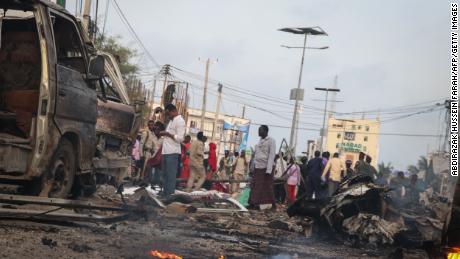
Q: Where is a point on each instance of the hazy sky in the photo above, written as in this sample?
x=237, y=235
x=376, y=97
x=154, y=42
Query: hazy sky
x=385, y=53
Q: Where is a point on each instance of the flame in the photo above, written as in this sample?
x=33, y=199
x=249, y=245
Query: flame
x=164, y=255
x=454, y=253
x=221, y=257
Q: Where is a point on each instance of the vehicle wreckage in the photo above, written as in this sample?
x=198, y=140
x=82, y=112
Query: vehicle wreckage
x=367, y=213
x=66, y=121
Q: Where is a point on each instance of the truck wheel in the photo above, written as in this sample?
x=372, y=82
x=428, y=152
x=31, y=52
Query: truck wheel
x=58, y=181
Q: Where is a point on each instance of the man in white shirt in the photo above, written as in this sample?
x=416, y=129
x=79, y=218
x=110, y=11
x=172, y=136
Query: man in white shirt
x=262, y=180
x=171, y=152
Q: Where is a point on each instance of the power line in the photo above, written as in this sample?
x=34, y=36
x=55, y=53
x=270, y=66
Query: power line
x=238, y=101
x=134, y=34
x=278, y=101
x=366, y=133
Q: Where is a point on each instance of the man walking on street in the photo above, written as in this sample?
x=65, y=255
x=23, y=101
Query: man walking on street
x=197, y=171
x=315, y=169
x=172, y=138
x=149, y=145
x=280, y=168
x=336, y=168
x=348, y=172
x=303, y=187
x=360, y=165
x=239, y=171
x=222, y=165
x=370, y=168
x=156, y=175
x=206, y=154
x=262, y=181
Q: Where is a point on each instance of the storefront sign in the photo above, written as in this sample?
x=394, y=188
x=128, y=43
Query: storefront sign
x=351, y=147
x=349, y=136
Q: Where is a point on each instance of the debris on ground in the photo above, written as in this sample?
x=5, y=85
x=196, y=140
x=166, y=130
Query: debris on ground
x=371, y=228
x=361, y=209
x=402, y=253
x=80, y=248
x=49, y=242
x=180, y=208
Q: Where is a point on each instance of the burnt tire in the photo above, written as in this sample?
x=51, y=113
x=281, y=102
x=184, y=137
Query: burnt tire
x=59, y=179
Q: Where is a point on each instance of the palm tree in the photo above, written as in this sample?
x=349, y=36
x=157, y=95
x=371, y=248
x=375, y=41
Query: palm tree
x=413, y=169
x=385, y=170
x=427, y=166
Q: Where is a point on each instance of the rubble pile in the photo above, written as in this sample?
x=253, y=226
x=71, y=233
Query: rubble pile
x=363, y=210
x=372, y=228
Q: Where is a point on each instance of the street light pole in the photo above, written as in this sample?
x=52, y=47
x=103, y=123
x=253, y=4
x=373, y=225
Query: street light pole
x=297, y=93
x=296, y=106
x=324, y=122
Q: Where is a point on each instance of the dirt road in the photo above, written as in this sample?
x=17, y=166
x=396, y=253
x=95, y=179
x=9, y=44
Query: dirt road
x=189, y=236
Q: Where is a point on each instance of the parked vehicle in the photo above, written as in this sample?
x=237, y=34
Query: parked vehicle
x=65, y=119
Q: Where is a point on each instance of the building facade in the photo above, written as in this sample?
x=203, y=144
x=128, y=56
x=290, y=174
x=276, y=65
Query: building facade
x=349, y=137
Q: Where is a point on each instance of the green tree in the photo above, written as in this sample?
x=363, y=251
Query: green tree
x=123, y=54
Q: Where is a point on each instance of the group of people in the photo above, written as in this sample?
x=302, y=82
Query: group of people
x=158, y=152
x=164, y=153
x=233, y=166
x=279, y=179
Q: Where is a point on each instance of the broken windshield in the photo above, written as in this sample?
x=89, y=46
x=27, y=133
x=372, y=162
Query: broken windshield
x=12, y=14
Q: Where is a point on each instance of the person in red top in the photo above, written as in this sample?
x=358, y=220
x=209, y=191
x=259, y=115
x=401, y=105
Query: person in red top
x=185, y=173
x=212, y=160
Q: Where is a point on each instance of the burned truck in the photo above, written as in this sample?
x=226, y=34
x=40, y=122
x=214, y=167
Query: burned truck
x=65, y=119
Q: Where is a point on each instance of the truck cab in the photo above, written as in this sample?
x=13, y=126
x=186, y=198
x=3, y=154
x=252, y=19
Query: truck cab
x=59, y=126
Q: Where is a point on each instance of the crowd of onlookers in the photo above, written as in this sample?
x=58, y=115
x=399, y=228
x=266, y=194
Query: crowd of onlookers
x=164, y=153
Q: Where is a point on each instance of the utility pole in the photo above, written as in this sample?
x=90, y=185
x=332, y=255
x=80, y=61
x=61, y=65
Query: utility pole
x=244, y=111
x=152, y=99
x=86, y=17
x=205, y=92
x=166, y=70
x=216, y=115
x=333, y=100
x=323, y=131
x=154, y=88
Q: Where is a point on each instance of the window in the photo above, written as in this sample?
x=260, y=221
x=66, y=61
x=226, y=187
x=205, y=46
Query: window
x=367, y=128
x=365, y=138
x=192, y=124
x=353, y=127
x=68, y=44
x=364, y=148
x=359, y=127
x=339, y=135
x=337, y=145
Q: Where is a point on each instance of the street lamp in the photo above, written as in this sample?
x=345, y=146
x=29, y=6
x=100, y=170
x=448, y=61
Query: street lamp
x=297, y=93
x=327, y=90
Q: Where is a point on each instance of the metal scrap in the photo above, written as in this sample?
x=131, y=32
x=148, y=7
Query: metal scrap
x=372, y=228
